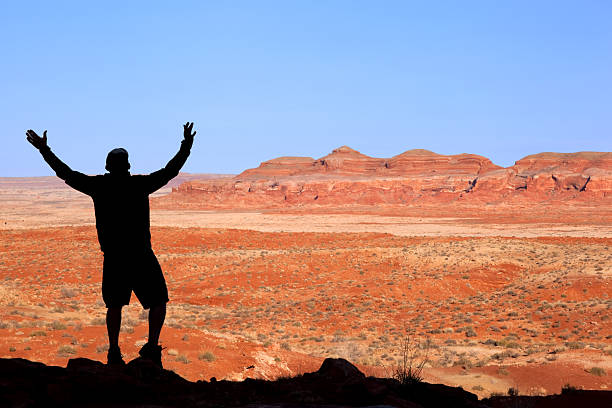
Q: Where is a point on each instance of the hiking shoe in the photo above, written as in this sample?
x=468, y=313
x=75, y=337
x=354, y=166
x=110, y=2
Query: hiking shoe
x=114, y=357
x=152, y=352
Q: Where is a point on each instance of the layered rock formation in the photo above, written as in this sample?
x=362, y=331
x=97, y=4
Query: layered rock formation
x=347, y=178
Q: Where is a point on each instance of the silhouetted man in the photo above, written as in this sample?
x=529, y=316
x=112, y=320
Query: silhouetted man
x=121, y=203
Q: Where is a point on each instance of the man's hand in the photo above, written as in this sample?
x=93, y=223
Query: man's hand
x=37, y=141
x=187, y=128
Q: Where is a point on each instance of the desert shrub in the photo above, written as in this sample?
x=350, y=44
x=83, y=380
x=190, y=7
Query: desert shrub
x=66, y=351
x=575, y=345
x=513, y=391
x=181, y=358
x=477, y=388
x=38, y=333
x=57, y=325
x=98, y=321
x=207, y=356
x=469, y=332
x=102, y=349
x=463, y=361
x=409, y=370
x=598, y=371
x=127, y=329
x=68, y=292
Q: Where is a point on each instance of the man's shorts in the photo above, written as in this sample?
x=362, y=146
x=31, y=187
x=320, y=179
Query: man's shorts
x=137, y=271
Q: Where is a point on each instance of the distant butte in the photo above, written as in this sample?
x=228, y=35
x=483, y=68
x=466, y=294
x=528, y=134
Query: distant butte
x=346, y=179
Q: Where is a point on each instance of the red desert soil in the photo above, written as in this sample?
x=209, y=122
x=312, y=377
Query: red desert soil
x=493, y=312
x=500, y=276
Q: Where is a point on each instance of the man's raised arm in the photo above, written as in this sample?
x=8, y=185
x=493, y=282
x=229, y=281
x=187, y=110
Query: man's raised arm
x=161, y=177
x=74, y=179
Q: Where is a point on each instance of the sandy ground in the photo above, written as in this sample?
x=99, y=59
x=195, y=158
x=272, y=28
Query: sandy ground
x=53, y=204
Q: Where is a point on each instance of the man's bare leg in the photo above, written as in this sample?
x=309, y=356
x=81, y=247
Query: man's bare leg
x=113, y=325
x=157, y=315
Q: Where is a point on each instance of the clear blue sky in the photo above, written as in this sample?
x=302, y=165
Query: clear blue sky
x=263, y=79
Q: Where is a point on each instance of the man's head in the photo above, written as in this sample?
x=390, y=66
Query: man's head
x=117, y=161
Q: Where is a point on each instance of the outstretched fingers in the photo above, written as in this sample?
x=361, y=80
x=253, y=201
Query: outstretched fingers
x=36, y=140
x=187, y=130
x=31, y=136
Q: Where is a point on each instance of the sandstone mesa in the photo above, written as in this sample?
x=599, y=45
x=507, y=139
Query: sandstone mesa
x=346, y=178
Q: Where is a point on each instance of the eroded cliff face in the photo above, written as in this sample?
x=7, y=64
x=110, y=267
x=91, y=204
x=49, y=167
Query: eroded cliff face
x=555, y=175
x=347, y=178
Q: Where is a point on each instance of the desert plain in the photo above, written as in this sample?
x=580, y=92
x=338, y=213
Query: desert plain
x=490, y=294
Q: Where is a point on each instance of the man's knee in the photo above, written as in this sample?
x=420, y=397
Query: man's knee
x=113, y=313
x=160, y=305
x=157, y=309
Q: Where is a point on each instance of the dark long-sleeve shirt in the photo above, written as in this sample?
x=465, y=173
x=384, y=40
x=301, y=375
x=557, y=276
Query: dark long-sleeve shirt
x=121, y=201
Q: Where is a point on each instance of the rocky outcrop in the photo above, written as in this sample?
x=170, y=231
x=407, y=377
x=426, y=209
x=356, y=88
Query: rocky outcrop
x=346, y=178
x=550, y=174
x=140, y=383
x=338, y=383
